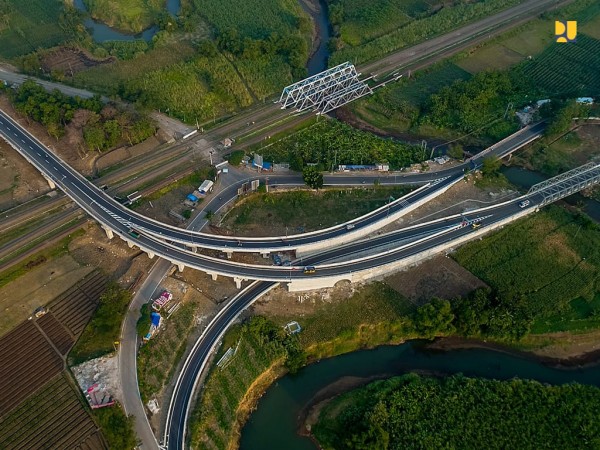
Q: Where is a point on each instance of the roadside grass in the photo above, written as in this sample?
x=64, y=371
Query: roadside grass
x=592, y=27
x=61, y=248
x=158, y=358
x=194, y=179
x=30, y=26
x=127, y=15
x=580, y=315
x=213, y=422
x=374, y=315
x=101, y=333
x=307, y=211
x=544, y=263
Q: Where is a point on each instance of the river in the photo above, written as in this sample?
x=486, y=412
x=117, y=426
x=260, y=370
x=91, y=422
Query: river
x=103, y=33
x=274, y=424
x=524, y=178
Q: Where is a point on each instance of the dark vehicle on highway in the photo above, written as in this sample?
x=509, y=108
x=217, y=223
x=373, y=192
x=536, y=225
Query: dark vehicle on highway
x=309, y=270
x=133, y=233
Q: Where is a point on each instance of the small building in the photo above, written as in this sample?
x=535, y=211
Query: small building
x=226, y=142
x=382, y=167
x=205, y=187
x=585, y=100
x=542, y=102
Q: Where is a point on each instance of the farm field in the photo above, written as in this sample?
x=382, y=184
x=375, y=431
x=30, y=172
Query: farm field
x=331, y=142
x=433, y=22
x=29, y=361
x=547, y=266
x=129, y=15
x=553, y=70
x=28, y=26
x=252, y=18
x=55, y=417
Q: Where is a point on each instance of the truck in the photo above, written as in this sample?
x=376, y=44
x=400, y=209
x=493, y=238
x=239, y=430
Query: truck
x=164, y=298
x=133, y=233
x=205, y=187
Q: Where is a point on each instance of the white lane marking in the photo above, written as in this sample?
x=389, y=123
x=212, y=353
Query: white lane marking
x=39, y=155
x=55, y=168
x=22, y=141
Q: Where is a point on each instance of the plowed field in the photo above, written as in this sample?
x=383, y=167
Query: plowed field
x=54, y=418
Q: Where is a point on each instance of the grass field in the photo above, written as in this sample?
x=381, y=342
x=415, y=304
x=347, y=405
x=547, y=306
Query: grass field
x=164, y=351
x=103, y=330
x=29, y=26
x=253, y=18
x=298, y=210
x=127, y=15
x=548, y=263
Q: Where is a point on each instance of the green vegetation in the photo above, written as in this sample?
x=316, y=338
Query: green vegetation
x=236, y=157
x=54, y=251
x=312, y=177
x=103, y=127
x=309, y=210
x=502, y=78
x=261, y=344
x=572, y=71
x=542, y=269
x=28, y=26
x=458, y=412
x=143, y=323
x=192, y=181
x=330, y=142
x=158, y=358
x=428, y=23
x=116, y=427
x=130, y=15
x=99, y=336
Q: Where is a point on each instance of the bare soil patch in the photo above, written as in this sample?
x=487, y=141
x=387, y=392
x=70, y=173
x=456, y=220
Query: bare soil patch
x=117, y=155
x=437, y=277
x=69, y=61
x=36, y=288
x=279, y=303
x=94, y=249
x=19, y=180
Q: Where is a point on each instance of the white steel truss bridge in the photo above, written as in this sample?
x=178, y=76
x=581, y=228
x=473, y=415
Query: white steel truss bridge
x=326, y=90
x=567, y=183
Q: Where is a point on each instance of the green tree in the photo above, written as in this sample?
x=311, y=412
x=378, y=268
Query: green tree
x=456, y=151
x=434, y=318
x=235, y=158
x=312, y=177
x=491, y=165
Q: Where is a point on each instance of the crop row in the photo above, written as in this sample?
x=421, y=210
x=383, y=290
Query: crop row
x=54, y=418
x=28, y=360
x=57, y=333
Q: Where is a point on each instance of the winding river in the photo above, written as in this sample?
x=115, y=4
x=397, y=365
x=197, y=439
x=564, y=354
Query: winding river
x=317, y=9
x=274, y=425
x=103, y=33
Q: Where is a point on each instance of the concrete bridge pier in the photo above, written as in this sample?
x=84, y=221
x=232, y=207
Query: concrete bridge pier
x=180, y=266
x=50, y=182
x=229, y=254
x=109, y=232
x=150, y=255
x=238, y=282
x=213, y=276
x=264, y=254
x=129, y=244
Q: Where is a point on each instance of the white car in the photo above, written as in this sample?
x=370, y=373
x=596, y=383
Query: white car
x=524, y=204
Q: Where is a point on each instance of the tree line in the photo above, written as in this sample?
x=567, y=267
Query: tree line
x=103, y=128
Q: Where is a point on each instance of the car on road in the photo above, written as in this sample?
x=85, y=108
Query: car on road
x=309, y=270
x=350, y=226
x=524, y=204
x=133, y=233
x=475, y=225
